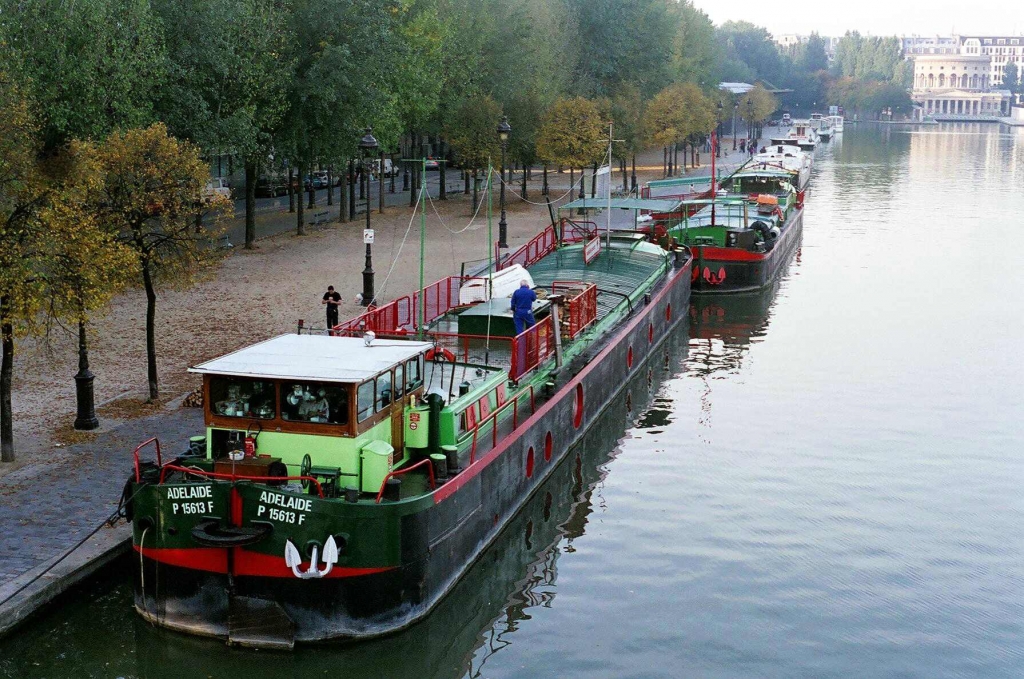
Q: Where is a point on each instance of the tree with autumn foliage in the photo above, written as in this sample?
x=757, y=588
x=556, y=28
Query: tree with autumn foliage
x=681, y=112
x=152, y=185
x=472, y=134
x=22, y=195
x=757, y=105
x=85, y=266
x=571, y=134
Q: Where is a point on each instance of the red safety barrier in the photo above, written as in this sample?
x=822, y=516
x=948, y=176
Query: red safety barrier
x=135, y=456
x=401, y=316
x=580, y=307
x=430, y=470
x=531, y=347
x=577, y=231
x=535, y=249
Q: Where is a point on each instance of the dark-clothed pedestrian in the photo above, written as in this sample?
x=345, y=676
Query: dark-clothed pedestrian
x=332, y=299
x=522, y=307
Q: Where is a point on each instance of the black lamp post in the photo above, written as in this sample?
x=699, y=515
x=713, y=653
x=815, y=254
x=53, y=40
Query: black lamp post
x=86, y=418
x=735, y=108
x=504, y=129
x=718, y=132
x=368, y=144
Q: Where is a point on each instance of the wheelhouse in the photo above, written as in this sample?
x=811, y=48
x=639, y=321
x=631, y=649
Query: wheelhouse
x=299, y=394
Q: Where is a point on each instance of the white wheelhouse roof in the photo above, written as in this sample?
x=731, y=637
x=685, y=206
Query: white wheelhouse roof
x=314, y=357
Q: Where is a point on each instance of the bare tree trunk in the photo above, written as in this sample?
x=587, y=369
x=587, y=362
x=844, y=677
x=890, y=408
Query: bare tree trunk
x=443, y=191
x=593, y=182
x=147, y=281
x=291, y=192
x=330, y=185
x=523, y=192
x=250, y=203
x=544, y=191
x=6, y=380
x=633, y=178
x=300, y=224
x=380, y=185
x=415, y=170
x=352, y=189
x=476, y=191
x=465, y=177
x=572, y=184
x=343, y=196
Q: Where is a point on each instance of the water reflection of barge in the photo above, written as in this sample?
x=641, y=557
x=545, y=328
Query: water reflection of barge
x=344, y=487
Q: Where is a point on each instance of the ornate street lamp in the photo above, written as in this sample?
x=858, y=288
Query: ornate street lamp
x=718, y=131
x=86, y=418
x=368, y=144
x=504, y=129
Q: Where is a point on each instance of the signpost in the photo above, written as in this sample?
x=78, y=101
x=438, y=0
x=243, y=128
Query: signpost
x=368, y=236
x=591, y=249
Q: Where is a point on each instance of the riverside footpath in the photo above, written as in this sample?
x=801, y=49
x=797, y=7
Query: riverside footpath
x=62, y=493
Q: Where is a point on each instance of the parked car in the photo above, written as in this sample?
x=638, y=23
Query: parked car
x=320, y=179
x=216, y=188
x=271, y=187
x=432, y=164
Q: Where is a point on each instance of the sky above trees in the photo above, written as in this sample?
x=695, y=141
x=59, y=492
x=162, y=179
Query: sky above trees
x=876, y=17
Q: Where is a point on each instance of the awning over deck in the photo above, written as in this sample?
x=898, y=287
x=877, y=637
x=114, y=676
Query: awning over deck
x=652, y=204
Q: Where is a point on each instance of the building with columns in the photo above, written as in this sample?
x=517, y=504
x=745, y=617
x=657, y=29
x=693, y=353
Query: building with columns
x=958, y=85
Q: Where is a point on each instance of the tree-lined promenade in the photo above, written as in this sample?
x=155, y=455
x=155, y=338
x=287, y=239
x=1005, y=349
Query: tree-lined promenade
x=112, y=111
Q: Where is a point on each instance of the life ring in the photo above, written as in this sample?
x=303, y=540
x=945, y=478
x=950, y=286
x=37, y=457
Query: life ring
x=440, y=354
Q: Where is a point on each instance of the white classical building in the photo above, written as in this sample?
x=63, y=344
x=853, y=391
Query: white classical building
x=1001, y=50
x=957, y=85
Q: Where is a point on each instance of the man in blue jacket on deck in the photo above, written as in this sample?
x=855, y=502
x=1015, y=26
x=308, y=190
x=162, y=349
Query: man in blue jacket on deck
x=522, y=307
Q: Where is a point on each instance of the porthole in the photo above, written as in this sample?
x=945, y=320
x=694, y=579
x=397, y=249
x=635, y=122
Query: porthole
x=529, y=463
x=629, y=358
x=668, y=312
x=548, y=445
x=629, y=402
x=650, y=332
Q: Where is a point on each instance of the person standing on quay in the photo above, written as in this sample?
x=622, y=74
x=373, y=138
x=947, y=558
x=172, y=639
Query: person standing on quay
x=522, y=307
x=332, y=299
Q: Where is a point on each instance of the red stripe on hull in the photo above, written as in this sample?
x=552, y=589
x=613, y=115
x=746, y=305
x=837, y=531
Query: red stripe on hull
x=253, y=564
x=210, y=559
x=709, y=254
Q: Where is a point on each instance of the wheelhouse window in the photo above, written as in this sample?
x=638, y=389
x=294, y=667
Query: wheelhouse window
x=384, y=393
x=364, y=400
x=238, y=397
x=399, y=381
x=413, y=374
x=314, y=402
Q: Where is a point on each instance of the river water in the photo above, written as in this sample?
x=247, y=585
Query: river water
x=823, y=481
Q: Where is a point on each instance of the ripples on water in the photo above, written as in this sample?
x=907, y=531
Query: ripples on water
x=825, y=484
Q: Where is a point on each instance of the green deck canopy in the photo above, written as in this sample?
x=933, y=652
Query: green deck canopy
x=654, y=204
